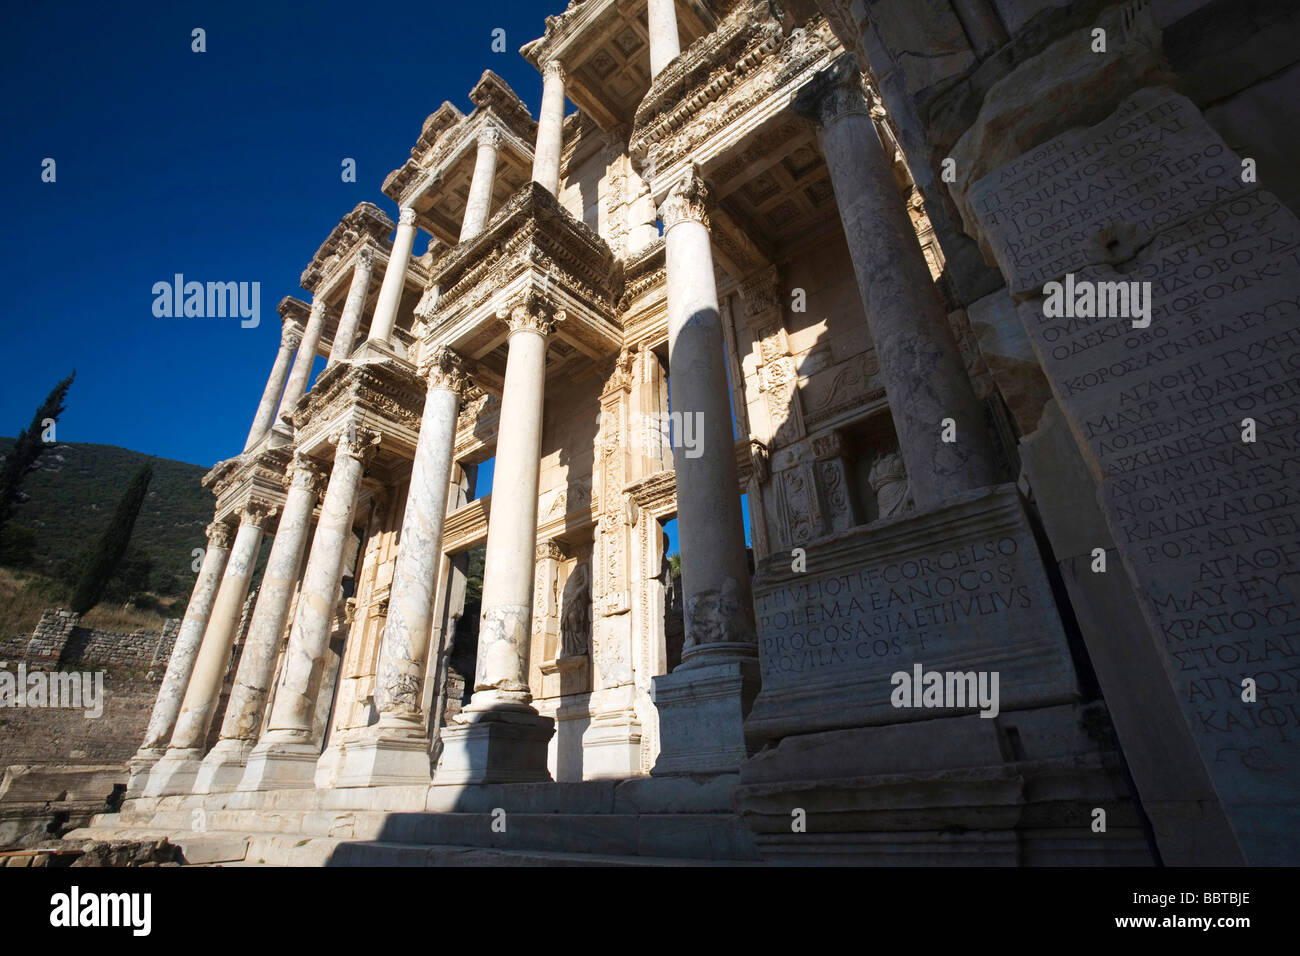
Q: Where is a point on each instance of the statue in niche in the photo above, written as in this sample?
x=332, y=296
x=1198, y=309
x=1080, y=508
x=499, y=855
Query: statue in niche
x=888, y=479
x=575, y=613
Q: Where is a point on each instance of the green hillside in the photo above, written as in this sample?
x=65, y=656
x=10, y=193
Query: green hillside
x=74, y=489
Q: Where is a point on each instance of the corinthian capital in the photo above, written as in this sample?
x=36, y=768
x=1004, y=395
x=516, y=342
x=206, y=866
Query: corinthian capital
x=838, y=91
x=688, y=201
x=219, y=534
x=490, y=137
x=366, y=254
x=406, y=216
x=305, y=472
x=355, y=440
x=290, y=335
x=554, y=69
x=531, y=314
x=446, y=370
x=257, y=513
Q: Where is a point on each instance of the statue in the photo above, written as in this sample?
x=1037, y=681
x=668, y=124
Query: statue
x=575, y=614
x=888, y=479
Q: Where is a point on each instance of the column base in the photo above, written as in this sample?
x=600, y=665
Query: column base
x=495, y=746
x=284, y=764
x=223, y=767
x=139, y=767
x=385, y=757
x=702, y=707
x=174, y=773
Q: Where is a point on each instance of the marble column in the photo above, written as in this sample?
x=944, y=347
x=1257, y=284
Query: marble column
x=665, y=44
x=499, y=737
x=223, y=767
x=290, y=336
x=479, y=204
x=550, y=129
x=394, y=284
x=702, y=704
x=286, y=755
x=350, y=320
x=924, y=377
x=296, y=387
x=178, y=768
x=395, y=751
x=162, y=721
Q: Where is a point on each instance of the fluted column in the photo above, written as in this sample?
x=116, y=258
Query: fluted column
x=286, y=755
x=290, y=336
x=550, y=129
x=350, y=320
x=390, y=291
x=396, y=750
x=665, y=44
x=176, y=771
x=296, y=387
x=499, y=737
x=702, y=704
x=925, y=379
x=223, y=766
x=162, y=721
x=479, y=203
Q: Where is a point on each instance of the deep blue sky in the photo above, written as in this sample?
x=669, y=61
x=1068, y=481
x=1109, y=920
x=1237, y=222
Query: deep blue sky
x=223, y=166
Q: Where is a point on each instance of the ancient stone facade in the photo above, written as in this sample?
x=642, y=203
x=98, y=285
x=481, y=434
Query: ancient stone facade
x=786, y=272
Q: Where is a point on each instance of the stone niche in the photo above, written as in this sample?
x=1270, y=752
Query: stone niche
x=958, y=588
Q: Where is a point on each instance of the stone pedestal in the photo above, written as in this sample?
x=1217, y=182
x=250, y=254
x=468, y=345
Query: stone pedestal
x=181, y=664
x=224, y=766
x=396, y=751
x=286, y=756
x=701, y=716
x=503, y=746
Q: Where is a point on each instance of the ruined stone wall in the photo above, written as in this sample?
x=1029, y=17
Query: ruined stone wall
x=132, y=665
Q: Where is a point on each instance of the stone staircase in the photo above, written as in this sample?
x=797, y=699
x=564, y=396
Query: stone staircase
x=644, y=822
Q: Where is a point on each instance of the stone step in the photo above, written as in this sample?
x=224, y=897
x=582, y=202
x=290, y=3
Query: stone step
x=700, y=836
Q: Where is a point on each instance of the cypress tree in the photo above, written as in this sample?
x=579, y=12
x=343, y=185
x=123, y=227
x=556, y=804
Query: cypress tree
x=22, y=459
x=102, y=561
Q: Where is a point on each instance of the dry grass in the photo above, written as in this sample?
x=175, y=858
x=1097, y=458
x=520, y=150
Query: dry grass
x=24, y=597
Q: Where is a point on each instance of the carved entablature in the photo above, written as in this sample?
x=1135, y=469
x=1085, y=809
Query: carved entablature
x=532, y=246
x=293, y=311
x=707, y=101
x=253, y=478
x=386, y=396
x=655, y=494
x=366, y=225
